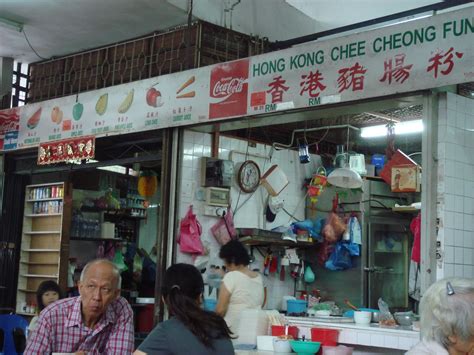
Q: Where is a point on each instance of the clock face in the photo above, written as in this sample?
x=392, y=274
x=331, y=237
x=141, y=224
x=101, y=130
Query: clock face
x=249, y=176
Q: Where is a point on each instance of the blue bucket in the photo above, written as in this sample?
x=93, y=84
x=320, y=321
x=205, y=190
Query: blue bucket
x=296, y=306
x=209, y=304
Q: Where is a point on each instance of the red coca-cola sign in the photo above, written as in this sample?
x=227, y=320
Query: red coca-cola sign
x=228, y=89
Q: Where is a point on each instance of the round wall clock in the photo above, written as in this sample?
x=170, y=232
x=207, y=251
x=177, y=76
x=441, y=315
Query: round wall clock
x=248, y=176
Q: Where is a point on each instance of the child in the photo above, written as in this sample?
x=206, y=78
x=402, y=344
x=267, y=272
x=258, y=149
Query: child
x=47, y=293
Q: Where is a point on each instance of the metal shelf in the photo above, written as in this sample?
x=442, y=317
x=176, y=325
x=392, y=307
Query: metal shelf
x=407, y=209
x=262, y=241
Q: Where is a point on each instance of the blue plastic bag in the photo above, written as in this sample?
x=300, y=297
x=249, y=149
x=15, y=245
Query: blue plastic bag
x=340, y=258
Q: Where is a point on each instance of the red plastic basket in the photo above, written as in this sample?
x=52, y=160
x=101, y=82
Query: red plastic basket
x=278, y=330
x=326, y=336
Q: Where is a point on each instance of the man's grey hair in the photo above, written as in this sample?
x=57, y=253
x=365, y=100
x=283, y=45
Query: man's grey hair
x=115, y=270
x=444, y=315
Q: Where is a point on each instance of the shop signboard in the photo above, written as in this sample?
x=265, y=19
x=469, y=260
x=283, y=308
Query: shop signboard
x=9, y=122
x=66, y=150
x=228, y=89
x=414, y=55
x=405, y=57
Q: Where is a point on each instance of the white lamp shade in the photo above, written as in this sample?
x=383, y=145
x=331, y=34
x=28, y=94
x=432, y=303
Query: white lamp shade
x=346, y=178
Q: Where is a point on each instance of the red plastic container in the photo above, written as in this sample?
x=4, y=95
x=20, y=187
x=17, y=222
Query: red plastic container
x=326, y=336
x=278, y=330
x=145, y=318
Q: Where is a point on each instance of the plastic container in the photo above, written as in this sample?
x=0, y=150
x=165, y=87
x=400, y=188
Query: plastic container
x=209, y=304
x=378, y=160
x=145, y=318
x=296, y=306
x=278, y=330
x=265, y=342
x=362, y=317
x=281, y=345
x=305, y=347
x=325, y=336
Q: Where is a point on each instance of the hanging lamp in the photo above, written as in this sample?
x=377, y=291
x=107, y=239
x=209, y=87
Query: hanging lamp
x=344, y=176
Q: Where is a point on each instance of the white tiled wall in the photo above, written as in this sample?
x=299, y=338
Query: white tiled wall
x=251, y=214
x=456, y=186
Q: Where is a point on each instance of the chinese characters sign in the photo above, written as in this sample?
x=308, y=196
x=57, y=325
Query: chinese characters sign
x=416, y=55
x=411, y=56
x=66, y=150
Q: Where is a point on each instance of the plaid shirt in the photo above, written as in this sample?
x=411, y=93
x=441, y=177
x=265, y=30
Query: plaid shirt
x=60, y=329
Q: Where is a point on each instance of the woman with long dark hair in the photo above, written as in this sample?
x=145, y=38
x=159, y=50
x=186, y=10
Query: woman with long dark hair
x=191, y=330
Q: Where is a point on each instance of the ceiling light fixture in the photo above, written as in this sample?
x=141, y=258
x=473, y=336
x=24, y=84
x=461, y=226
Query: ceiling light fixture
x=10, y=24
x=343, y=176
x=407, y=127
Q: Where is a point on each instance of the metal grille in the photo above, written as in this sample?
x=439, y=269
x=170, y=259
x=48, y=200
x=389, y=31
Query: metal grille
x=182, y=48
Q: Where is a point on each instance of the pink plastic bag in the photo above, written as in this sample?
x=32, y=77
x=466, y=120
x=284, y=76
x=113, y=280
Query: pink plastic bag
x=189, y=238
x=224, y=230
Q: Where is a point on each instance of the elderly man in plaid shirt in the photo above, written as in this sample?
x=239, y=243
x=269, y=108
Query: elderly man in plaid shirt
x=99, y=321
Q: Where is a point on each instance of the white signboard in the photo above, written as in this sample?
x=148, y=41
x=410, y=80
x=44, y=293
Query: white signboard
x=416, y=55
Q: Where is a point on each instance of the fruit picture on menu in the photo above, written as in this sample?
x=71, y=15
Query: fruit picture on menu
x=77, y=111
x=101, y=105
x=56, y=115
x=153, y=97
x=127, y=102
x=34, y=119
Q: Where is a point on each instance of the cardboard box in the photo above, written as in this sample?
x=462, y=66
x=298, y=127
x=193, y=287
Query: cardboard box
x=405, y=178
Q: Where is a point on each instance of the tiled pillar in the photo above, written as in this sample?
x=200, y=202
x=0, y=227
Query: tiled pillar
x=455, y=198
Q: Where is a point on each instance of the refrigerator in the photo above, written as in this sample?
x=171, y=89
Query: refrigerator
x=381, y=270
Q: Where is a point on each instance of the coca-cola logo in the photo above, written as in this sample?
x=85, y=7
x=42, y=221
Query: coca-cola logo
x=228, y=86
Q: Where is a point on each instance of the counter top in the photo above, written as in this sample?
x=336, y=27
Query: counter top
x=400, y=338
x=374, y=327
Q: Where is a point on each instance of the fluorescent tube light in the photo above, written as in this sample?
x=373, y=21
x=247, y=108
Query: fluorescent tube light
x=10, y=24
x=407, y=127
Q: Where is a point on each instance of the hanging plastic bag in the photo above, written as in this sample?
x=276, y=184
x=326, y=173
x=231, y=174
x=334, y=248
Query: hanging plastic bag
x=340, y=258
x=119, y=261
x=189, y=238
x=224, y=230
x=334, y=228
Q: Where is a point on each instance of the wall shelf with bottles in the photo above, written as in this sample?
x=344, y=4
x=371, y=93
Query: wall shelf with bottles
x=41, y=242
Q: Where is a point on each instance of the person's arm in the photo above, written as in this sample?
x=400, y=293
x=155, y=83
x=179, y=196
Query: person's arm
x=223, y=300
x=121, y=339
x=138, y=352
x=40, y=340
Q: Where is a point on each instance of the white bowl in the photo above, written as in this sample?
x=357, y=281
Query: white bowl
x=281, y=345
x=265, y=342
x=362, y=317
